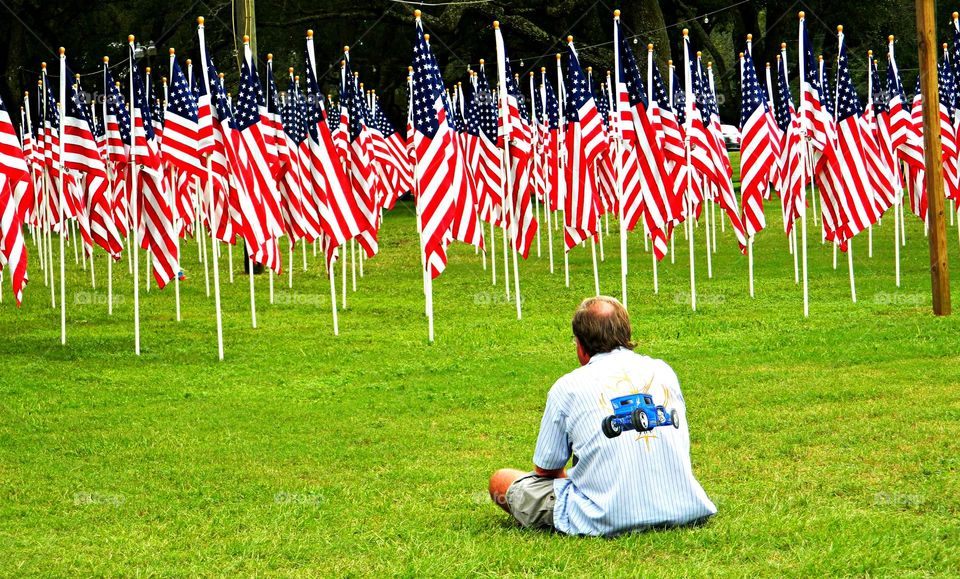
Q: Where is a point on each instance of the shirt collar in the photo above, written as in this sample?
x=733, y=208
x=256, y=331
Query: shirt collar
x=605, y=354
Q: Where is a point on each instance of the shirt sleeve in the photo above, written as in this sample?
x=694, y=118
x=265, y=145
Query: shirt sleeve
x=553, y=445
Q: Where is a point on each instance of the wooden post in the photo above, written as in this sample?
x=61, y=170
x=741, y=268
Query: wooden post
x=927, y=47
x=244, y=12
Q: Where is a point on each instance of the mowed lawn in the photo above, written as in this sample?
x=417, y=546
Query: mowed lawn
x=831, y=445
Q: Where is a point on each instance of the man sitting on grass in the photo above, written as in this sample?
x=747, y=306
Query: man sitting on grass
x=635, y=481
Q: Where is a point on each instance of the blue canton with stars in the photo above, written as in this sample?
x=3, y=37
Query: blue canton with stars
x=753, y=97
x=247, y=112
x=427, y=87
x=848, y=103
x=578, y=93
x=181, y=101
x=785, y=100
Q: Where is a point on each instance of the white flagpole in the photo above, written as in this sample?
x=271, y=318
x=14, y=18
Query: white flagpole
x=561, y=133
x=873, y=114
x=205, y=78
x=803, y=202
x=688, y=98
x=198, y=228
x=248, y=56
x=653, y=252
x=593, y=238
x=103, y=113
x=427, y=277
x=618, y=158
x=836, y=107
x=506, y=179
x=134, y=207
x=493, y=238
x=172, y=197
x=45, y=176
x=673, y=236
x=709, y=217
x=343, y=256
x=546, y=199
x=599, y=224
x=63, y=229
x=536, y=157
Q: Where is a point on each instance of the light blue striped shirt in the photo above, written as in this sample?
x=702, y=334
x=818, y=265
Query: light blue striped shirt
x=630, y=482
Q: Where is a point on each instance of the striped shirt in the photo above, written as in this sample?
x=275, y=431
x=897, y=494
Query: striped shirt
x=630, y=482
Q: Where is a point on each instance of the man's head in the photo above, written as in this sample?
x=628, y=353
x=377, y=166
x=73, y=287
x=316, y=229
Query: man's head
x=600, y=325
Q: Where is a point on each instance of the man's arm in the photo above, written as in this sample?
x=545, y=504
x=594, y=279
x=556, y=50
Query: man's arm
x=554, y=473
x=553, y=447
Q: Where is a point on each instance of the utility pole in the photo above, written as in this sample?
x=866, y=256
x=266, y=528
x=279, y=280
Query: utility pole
x=247, y=22
x=927, y=47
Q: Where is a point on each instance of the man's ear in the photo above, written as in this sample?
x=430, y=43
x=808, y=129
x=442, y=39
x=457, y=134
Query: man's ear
x=582, y=354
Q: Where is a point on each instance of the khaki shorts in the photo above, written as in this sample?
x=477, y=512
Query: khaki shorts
x=531, y=499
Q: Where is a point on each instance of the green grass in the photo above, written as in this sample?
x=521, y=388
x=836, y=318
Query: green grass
x=829, y=444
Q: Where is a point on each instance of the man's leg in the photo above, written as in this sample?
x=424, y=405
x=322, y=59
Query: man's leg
x=500, y=482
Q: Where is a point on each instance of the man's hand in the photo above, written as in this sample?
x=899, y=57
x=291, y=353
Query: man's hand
x=556, y=473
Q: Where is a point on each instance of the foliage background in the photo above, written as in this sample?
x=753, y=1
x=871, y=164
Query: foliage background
x=380, y=32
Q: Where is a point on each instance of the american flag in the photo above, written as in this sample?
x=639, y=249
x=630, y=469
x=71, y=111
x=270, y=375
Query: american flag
x=81, y=153
x=647, y=183
x=515, y=128
x=74, y=159
x=485, y=159
x=878, y=150
x=584, y=143
x=825, y=92
x=253, y=156
x=551, y=146
x=51, y=159
x=466, y=224
x=820, y=128
x=360, y=160
x=245, y=210
x=793, y=175
x=155, y=229
x=907, y=141
x=391, y=152
x=313, y=208
x=33, y=154
x=433, y=151
x=118, y=143
x=294, y=206
x=816, y=119
x=156, y=114
x=606, y=177
x=181, y=139
x=723, y=187
x=214, y=144
x=917, y=183
x=15, y=182
x=756, y=147
x=707, y=153
x=856, y=197
x=948, y=135
x=341, y=212
x=670, y=134
x=201, y=92
x=272, y=129
x=27, y=205
x=538, y=123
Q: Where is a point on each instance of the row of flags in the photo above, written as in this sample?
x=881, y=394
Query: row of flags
x=190, y=160
x=146, y=170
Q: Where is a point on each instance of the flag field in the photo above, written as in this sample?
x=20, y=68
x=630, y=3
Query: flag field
x=831, y=445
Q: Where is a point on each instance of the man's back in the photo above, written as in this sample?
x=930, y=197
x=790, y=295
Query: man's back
x=635, y=480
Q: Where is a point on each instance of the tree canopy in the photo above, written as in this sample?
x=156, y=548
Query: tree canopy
x=380, y=33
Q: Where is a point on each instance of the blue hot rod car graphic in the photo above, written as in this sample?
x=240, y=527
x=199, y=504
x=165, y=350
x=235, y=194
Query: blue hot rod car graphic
x=637, y=412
